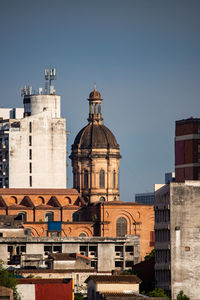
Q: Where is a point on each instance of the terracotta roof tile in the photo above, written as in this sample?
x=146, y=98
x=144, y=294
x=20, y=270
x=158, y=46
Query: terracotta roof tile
x=40, y=281
x=19, y=191
x=114, y=278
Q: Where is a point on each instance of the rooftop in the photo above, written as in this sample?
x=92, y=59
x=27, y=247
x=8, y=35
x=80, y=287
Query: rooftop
x=114, y=279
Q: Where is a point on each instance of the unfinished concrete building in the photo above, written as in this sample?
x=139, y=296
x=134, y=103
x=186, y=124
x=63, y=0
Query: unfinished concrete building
x=177, y=238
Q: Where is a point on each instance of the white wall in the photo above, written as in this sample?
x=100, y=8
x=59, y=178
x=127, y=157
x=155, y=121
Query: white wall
x=26, y=291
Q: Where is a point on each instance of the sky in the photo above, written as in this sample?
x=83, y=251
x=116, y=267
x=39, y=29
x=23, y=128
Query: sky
x=144, y=56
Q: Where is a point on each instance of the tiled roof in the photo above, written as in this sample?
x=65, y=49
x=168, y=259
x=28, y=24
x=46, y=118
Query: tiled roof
x=130, y=296
x=41, y=281
x=19, y=191
x=114, y=278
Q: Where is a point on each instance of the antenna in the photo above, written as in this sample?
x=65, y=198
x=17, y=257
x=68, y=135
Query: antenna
x=50, y=75
x=26, y=90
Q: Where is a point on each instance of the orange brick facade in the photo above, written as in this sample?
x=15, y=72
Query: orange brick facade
x=67, y=206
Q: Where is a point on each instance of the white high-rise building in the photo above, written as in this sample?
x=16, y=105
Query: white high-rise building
x=33, y=143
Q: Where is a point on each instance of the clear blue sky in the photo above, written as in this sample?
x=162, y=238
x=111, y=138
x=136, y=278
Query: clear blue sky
x=144, y=56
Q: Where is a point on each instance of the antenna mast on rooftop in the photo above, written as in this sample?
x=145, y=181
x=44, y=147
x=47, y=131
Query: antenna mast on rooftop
x=50, y=75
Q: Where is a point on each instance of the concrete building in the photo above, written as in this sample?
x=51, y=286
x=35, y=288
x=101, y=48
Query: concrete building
x=144, y=198
x=33, y=146
x=57, y=261
x=76, y=258
x=106, y=253
x=95, y=157
x=6, y=293
x=162, y=237
x=169, y=177
x=148, y=198
x=177, y=228
x=187, y=150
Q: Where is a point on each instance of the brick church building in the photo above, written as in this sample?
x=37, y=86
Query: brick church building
x=92, y=207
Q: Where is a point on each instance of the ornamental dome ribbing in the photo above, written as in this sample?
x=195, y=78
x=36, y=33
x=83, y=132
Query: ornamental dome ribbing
x=95, y=135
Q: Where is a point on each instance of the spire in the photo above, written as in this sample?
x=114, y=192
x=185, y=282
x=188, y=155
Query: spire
x=95, y=106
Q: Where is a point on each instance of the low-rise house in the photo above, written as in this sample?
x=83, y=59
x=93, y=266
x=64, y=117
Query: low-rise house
x=63, y=261
x=45, y=289
x=6, y=293
x=125, y=284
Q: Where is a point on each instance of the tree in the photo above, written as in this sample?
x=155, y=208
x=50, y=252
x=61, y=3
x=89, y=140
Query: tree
x=182, y=296
x=78, y=297
x=7, y=280
x=157, y=293
x=150, y=255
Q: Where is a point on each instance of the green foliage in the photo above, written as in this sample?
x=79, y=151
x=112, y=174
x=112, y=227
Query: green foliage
x=94, y=218
x=30, y=276
x=7, y=280
x=78, y=297
x=157, y=293
x=182, y=296
x=150, y=255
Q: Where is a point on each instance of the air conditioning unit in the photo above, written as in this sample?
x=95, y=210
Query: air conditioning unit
x=83, y=253
x=117, y=253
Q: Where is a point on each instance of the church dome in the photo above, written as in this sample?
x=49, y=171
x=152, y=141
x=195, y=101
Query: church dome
x=95, y=136
x=95, y=95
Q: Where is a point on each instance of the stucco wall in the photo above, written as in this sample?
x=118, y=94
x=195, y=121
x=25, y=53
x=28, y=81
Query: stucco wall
x=185, y=239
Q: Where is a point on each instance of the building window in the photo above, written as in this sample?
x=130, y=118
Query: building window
x=82, y=234
x=75, y=217
x=22, y=216
x=30, y=153
x=102, y=179
x=121, y=227
x=114, y=179
x=86, y=179
x=68, y=200
x=119, y=264
x=30, y=140
x=30, y=127
x=102, y=199
x=30, y=180
x=49, y=217
x=30, y=168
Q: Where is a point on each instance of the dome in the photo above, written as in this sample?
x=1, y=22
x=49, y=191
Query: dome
x=95, y=136
x=95, y=95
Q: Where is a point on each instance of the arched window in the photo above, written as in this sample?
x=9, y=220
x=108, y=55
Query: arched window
x=86, y=179
x=39, y=200
x=75, y=217
x=114, y=179
x=12, y=200
x=49, y=217
x=68, y=200
x=102, y=199
x=121, y=227
x=22, y=216
x=102, y=179
x=82, y=234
